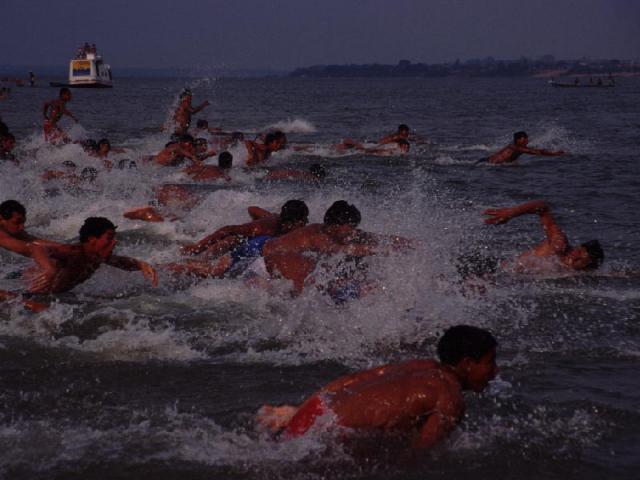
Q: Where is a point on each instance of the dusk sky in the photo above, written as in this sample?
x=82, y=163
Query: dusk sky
x=284, y=34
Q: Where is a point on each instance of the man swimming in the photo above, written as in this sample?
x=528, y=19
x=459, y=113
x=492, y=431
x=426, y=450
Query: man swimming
x=206, y=173
x=245, y=248
x=175, y=152
x=512, y=152
x=7, y=144
x=554, y=253
x=53, y=111
x=185, y=110
x=421, y=400
x=260, y=152
x=75, y=263
x=401, y=134
x=397, y=147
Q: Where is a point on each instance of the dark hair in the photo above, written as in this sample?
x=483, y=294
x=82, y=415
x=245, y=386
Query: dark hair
x=7, y=136
x=518, y=135
x=90, y=145
x=342, y=213
x=294, y=211
x=225, y=160
x=269, y=138
x=318, y=171
x=237, y=136
x=95, y=227
x=185, y=93
x=594, y=249
x=104, y=141
x=464, y=341
x=64, y=90
x=200, y=141
x=403, y=128
x=186, y=138
x=69, y=164
x=9, y=207
x=202, y=123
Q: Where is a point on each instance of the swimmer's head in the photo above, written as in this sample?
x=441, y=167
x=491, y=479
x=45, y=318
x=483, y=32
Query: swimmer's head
x=8, y=142
x=186, y=140
x=185, y=93
x=12, y=217
x=104, y=146
x=202, y=124
x=90, y=146
x=587, y=256
x=318, y=171
x=342, y=213
x=237, y=136
x=281, y=138
x=69, y=165
x=471, y=351
x=97, y=235
x=521, y=137
x=225, y=160
x=65, y=94
x=403, y=130
x=294, y=214
x=403, y=145
x=200, y=144
x=271, y=142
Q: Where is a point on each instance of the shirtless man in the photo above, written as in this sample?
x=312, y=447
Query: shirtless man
x=554, y=253
x=401, y=134
x=246, y=246
x=53, y=111
x=205, y=173
x=182, y=117
x=174, y=153
x=73, y=264
x=260, y=152
x=511, y=153
x=421, y=400
x=401, y=147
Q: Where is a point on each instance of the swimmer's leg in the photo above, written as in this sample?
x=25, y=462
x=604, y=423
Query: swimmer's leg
x=146, y=214
x=30, y=304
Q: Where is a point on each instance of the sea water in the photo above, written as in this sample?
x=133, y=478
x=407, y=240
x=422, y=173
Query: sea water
x=120, y=380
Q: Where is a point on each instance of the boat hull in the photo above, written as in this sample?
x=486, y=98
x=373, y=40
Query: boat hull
x=79, y=85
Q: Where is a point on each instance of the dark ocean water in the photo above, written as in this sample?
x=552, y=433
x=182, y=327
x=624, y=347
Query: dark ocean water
x=119, y=380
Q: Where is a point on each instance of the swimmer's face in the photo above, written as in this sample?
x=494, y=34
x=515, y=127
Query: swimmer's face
x=578, y=259
x=103, y=245
x=14, y=225
x=522, y=141
x=481, y=372
x=8, y=144
x=66, y=96
x=105, y=148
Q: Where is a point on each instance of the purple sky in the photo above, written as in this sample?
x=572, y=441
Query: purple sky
x=284, y=34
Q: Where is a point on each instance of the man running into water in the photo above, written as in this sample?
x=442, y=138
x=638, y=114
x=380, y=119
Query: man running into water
x=245, y=242
x=421, y=400
x=73, y=264
x=53, y=111
x=512, y=152
x=554, y=253
x=182, y=117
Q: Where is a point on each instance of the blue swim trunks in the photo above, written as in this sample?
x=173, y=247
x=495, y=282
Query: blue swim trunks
x=345, y=292
x=245, y=253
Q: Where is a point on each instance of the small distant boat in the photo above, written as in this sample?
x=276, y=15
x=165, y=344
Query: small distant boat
x=87, y=70
x=577, y=84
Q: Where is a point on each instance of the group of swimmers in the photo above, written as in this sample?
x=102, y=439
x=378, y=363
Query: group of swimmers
x=421, y=399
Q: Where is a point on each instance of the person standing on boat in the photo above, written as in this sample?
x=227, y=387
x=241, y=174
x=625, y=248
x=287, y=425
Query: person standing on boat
x=53, y=111
x=184, y=111
x=512, y=152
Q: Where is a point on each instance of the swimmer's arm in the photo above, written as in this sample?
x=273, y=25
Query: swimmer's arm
x=441, y=420
x=256, y=213
x=555, y=236
x=132, y=264
x=539, y=151
x=45, y=109
x=388, y=139
x=503, y=215
x=200, y=107
x=30, y=304
x=15, y=245
x=209, y=240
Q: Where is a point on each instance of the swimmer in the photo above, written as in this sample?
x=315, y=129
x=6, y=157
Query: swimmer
x=53, y=111
x=420, y=400
x=554, y=253
x=260, y=152
x=205, y=173
x=170, y=198
x=401, y=134
x=315, y=173
x=512, y=152
x=230, y=236
x=175, y=152
x=7, y=144
x=293, y=215
x=398, y=147
x=75, y=263
x=182, y=117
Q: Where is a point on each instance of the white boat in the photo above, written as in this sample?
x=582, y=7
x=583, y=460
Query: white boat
x=88, y=70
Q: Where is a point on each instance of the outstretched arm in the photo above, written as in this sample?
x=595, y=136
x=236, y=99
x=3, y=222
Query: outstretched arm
x=555, y=236
x=131, y=264
x=540, y=151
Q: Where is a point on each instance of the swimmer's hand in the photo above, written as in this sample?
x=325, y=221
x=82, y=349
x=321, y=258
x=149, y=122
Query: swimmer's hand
x=149, y=273
x=498, y=215
x=34, y=306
